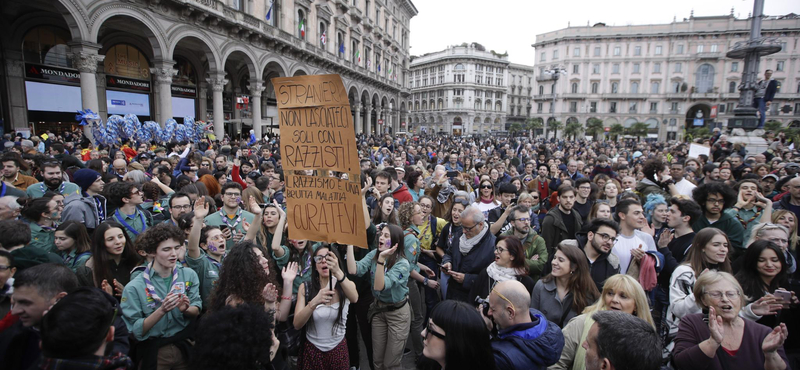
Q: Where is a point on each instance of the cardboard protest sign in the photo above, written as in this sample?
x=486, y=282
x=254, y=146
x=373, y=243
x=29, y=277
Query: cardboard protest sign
x=317, y=133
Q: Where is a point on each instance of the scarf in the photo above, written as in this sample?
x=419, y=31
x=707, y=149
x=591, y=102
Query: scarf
x=445, y=191
x=499, y=274
x=465, y=245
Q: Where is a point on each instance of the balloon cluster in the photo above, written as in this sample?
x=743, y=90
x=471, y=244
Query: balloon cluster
x=120, y=129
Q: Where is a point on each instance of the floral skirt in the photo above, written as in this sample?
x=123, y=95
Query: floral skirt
x=313, y=359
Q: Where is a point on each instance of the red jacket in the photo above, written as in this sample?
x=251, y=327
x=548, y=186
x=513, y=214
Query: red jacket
x=402, y=195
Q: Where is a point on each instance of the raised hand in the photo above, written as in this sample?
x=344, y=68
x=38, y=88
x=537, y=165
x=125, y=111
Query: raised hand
x=200, y=209
x=367, y=185
x=289, y=272
x=333, y=264
x=385, y=254
x=774, y=340
x=254, y=208
x=715, y=326
x=666, y=237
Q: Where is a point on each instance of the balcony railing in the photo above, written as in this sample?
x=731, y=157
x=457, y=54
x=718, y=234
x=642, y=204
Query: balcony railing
x=543, y=97
x=709, y=55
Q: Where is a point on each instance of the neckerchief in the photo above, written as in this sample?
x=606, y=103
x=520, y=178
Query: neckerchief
x=214, y=262
x=3, y=191
x=60, y=188
x=101, y=213
x=755, y=216
x=236, y=220
x=150, y=290
x=307, y=266
x=121, y=220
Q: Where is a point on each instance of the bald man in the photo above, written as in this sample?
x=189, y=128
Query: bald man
x=120, y=168
x=9, y=208
x=525, y=339
x=790, y=202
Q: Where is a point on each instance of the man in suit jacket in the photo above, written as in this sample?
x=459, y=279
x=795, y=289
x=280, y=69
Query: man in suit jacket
x=765, y=93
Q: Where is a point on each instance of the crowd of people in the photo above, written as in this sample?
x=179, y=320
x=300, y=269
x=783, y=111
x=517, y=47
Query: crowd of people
x=484, y=252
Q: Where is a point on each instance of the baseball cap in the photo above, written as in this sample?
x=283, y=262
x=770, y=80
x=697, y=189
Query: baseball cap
x=772, y=175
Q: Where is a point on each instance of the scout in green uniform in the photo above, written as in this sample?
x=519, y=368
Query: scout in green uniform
x=129, y=213
x=231, y=217
x=158, y=305
x=205, y=251
x=390, y=314
x=535, y=249
x=73, y=245
x=42, y=215
x=53, y=181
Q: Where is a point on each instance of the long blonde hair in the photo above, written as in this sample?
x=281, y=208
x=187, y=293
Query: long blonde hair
x=631, y=287
x=776, y=214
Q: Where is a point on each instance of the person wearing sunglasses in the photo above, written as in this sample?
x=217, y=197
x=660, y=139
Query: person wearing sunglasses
x=457, y=338
x=525, y=339
x=486, y=199
x=72, y=346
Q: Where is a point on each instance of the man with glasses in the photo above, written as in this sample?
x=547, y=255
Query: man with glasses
x=179, y=205
x=53, y=181
x=231, y=217
x=582, y=202
x=791, y=201
x=469, y=255
x=597, y=243
x=714, y=197
x=276, y=186
x=90, y=208
x=533, y=244
x=129, y=213
x=525, y=339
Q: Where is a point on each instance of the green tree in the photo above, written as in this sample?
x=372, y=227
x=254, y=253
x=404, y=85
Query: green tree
x=773, y=126
x=594, y=127
x=697, y=133
x=638, y=129
x=531, y=125
x=573, y=129
x=616, y=130
x=515, y=128
x=555, y=126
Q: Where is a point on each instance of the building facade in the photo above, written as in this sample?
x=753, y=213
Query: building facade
x=665, y=75
x=520, y=93
x=209, y=59
x=458, y=91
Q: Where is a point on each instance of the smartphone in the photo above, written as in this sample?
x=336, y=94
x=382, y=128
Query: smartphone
x=783, y=295
x=445, y=269
x=452, y=174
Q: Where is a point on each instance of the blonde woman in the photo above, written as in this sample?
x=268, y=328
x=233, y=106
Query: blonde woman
x=621, y=293
x=788, y=219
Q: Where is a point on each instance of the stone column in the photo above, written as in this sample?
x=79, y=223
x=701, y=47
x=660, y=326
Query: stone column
x=86, y=63
x=378, y=118
x=357, y=121
x=256, y=87
x=202, y=103
x=218, y=82
x=367, y=119
x=163, y=73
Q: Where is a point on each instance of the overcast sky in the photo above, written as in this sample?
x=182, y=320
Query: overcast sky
x=512, y=25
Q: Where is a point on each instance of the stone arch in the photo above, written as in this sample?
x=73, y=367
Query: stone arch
x=249, y=59
x=196, y=37
x=153, y=31
x=630, y=121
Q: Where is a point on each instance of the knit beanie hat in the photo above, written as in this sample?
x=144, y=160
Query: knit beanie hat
x=85, y=177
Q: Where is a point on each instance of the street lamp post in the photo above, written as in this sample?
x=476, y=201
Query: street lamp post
x=556, y=72
x=751, y=51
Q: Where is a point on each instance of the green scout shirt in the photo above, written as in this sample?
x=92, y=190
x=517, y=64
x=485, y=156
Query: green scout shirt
x=70, y=189
x=207, y=271
x=533, y=245
x=215, y=219
x=138, y=221
x=73, y=260
x=137, y=305
x=744, y=215
x=412, y=245
x=42, y=238
x=395, y=279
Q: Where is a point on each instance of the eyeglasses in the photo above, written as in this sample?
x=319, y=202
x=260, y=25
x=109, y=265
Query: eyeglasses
x=523, y=219
x=504, y=298
x=715, y=201
x=3, y=268
x=731, y=294
x=232, y=195
x=535, y=198
x=184, y=207
x=204, y=165
x=424, y=206
x=429, y=331
x=468, y=228
x=607, y=237
x=318, y=259
x=501, y=249
x=135, y=192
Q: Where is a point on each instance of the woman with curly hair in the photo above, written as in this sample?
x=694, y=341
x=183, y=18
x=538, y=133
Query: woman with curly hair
x=159, y=305
x=236, y=337
x=657, y=179
x=243, y=278
x=388, y=271
x=325, y=315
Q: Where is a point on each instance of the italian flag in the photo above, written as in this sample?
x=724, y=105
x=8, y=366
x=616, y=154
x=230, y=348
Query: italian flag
x=302, y=28
x=358, y=55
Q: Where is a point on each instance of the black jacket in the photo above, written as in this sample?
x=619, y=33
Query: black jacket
x=470, y=264
x=605, y=266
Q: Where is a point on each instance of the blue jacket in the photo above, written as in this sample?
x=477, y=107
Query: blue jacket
x=534, y=345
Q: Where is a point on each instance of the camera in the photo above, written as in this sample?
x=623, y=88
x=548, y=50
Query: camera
x=484, y=305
